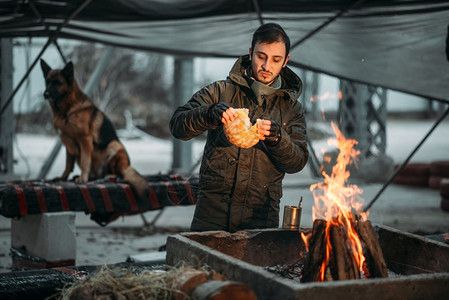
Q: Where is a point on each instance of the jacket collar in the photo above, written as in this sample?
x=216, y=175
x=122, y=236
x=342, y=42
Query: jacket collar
x=291, y=83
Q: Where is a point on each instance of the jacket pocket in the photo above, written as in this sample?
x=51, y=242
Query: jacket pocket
x=274, y=199
x=275, y=192
x=274, y=195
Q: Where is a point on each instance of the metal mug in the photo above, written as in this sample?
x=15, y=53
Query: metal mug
x=292, y=217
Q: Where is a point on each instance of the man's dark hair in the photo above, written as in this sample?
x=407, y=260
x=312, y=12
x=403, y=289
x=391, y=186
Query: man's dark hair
x=270, y=33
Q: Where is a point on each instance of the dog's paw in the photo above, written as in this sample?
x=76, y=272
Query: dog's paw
x=79, y=179
x=111, y=178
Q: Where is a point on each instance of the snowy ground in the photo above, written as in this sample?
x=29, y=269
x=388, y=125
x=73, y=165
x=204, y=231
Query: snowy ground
x=402, y=207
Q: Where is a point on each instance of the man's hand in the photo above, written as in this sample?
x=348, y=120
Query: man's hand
x=271, y=132
x=220, y=112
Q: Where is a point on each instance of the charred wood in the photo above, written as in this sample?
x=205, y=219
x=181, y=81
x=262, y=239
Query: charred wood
x=317, y=248
x=375, y=261
x=343, y=264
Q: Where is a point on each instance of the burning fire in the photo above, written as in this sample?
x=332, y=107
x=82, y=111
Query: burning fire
x=337, y=202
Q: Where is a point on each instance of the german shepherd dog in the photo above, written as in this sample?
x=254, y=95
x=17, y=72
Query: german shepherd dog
x=87, y=134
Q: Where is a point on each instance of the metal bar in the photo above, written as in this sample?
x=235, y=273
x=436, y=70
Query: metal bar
x=36, y=12
x=406, y=161
x=98, y=71
x=183, y=80
x=49, y=41
x=8, y=102
x=314, y=163
x=259, y=13
x=316, y=30
x=48, y=163
x=323, y=71
x=60, y=51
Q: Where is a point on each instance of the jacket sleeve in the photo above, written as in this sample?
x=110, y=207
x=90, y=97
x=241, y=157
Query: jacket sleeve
x=190, y=119
x=291, y=154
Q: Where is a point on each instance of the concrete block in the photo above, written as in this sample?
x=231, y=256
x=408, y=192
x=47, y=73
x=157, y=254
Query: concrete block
x=150, y=257
x=50, y=236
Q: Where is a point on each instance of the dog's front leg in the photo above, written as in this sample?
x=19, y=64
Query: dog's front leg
x=69, y=164
x=86, y=147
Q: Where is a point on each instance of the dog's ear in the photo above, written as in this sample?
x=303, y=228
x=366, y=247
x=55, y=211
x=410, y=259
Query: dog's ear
x=45, y=68
x=68, y=72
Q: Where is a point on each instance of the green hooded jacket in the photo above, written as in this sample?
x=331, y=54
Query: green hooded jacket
x=241, y=188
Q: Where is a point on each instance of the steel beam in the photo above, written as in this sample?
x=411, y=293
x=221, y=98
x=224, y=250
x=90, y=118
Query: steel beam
x=183, y=85
x=7, y=119
x=362, y=116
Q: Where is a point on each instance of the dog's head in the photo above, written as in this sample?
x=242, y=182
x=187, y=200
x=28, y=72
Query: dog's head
x=58, y=83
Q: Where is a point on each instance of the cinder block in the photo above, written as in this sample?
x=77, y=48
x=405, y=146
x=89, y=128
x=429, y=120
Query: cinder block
x=50, y=236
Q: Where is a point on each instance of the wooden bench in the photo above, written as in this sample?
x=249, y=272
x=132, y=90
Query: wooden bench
x=43, y=212
x=104, y=199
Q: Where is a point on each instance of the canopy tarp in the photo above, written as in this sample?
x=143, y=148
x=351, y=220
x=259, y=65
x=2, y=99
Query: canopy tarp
x=399, y=45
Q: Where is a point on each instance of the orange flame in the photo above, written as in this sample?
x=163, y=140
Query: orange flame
x=335, y=200
x=305, y=238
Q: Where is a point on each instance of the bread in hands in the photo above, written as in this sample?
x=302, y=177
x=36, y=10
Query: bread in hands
x=240, y=131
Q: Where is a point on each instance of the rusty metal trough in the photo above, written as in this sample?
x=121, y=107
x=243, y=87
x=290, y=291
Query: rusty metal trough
x=421, y=265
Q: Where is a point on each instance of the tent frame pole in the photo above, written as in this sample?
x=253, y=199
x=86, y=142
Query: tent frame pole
x=259, y=13
x=319, y=28
x=50, y=40
x=390, y=180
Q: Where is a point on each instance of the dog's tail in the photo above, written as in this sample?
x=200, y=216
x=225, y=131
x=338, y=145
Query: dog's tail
x=137, y=181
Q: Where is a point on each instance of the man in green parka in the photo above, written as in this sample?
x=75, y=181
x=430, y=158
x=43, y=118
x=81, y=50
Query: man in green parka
x=241, y=188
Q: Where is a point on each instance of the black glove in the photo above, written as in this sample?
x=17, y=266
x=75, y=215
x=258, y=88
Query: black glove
x=275, y=134
x=215, y=113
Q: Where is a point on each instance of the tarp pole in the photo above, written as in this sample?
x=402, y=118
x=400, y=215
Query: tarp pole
x=183, y=82
x=49, y=41
x=60, y=51
x=8, y=102
x=406, y=161
x=318, y=29
x=6, y=121
x=259, y=13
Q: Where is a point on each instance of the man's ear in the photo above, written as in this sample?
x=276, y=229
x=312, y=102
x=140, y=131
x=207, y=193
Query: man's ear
x=250, y=52
x=286, y=60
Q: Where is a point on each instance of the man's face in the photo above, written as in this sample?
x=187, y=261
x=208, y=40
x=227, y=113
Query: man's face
x=267, y=61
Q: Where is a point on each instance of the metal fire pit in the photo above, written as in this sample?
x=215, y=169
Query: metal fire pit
x=422, y=265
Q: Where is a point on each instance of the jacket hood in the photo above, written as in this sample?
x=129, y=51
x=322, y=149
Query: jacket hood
x=291, y=83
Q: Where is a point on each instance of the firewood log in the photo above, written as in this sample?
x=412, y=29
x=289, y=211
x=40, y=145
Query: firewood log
x=373, y=253
x=344, y=264
x=317, y=248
